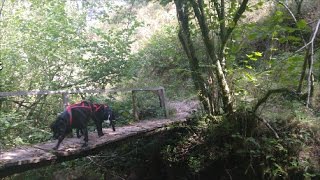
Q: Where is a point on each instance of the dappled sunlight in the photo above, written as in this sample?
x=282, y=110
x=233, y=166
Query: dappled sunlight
x=8, y=156
x=73, y=146
x=16, y=153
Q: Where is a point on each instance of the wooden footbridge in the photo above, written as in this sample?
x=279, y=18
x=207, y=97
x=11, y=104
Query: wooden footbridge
x=39, y=155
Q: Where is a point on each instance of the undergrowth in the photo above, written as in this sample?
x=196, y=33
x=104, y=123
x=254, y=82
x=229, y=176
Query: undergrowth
x=207, y=147
x=241, y=147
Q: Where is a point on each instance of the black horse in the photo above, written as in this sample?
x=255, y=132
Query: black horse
x=102, y=113
x=77, y=116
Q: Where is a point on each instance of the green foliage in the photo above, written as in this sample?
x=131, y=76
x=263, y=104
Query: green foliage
x=70, y=44
x=79, y=168
x=108, y=52
x=291, y=154
x=38, y=41
x=27, y=119
x=216, y=141
x=15, y=131
x=123, y=111
x=51, y=45
x=148, y=104
x=162, y=61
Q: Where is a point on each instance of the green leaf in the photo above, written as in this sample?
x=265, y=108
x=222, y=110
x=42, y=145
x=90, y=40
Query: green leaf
x=252, y=36
x=250, y=77
x=293, y=38
x=249, y=67
x=294, y=59
x=258, y=54
x=302, y=24
x=260, y=3
x=249, y=55
x=279, y=13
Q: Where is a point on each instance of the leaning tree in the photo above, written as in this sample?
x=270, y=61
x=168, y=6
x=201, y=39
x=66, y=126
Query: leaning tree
x=215, y=20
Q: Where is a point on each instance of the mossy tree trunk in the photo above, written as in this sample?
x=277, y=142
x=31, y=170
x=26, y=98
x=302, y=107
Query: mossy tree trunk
x=215, y=45
x=187, y=44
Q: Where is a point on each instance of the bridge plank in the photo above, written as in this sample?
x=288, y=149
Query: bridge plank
x=38, y=155
x=24, y=155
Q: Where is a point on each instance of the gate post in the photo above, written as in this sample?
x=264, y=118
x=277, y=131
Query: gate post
x=135, y=107
x=65, y=100
x=163, y=102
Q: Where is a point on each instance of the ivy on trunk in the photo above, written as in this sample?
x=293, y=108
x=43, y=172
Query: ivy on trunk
x=215, y=41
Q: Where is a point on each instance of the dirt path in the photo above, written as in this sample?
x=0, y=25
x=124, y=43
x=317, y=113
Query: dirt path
x=183, y=108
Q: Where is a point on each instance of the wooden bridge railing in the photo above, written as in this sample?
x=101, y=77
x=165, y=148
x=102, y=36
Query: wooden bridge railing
x=158, y=90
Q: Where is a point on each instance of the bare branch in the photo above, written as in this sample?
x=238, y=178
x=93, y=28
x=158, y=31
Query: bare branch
x=269, y=126
x=268, y=94
x=198, y=11
x=310, y=78
x=2, y=5
x=288, y=9
x=313, y=37
x=235, y=20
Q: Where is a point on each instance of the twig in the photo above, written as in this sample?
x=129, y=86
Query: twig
x=250, y=166
x=293, y=17
x=269, y=126
x=268, y=94
x=313, y=37
x=310, y=81
x=2, y=5
x=230, y=177
x=288, y=9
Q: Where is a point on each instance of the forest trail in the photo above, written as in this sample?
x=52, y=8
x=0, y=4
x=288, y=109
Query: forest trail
x=28, y=157
x=183, y=108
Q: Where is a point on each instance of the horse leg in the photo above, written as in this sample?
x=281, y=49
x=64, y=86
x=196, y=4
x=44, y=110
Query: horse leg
x=59, y=142
x=85, y=131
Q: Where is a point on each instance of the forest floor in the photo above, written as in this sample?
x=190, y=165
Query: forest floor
x=183, y=108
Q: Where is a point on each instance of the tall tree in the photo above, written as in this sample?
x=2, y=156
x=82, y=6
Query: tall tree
x=62, y=44
x=216, y=21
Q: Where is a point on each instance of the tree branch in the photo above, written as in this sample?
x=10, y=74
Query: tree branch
x=204, y=29
x=2, y=5
x=293, y=17
x=310, y=78
x=201, y=17
x=184, y=37
x=235, y=20
x=313, y=37
x=268, y=94
x=269, y=126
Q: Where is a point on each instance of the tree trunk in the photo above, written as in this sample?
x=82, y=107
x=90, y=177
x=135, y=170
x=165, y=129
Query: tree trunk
x=184, y=37
x=216, y=51
x=226, y=95
x=210, y=47
x=304, y=69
